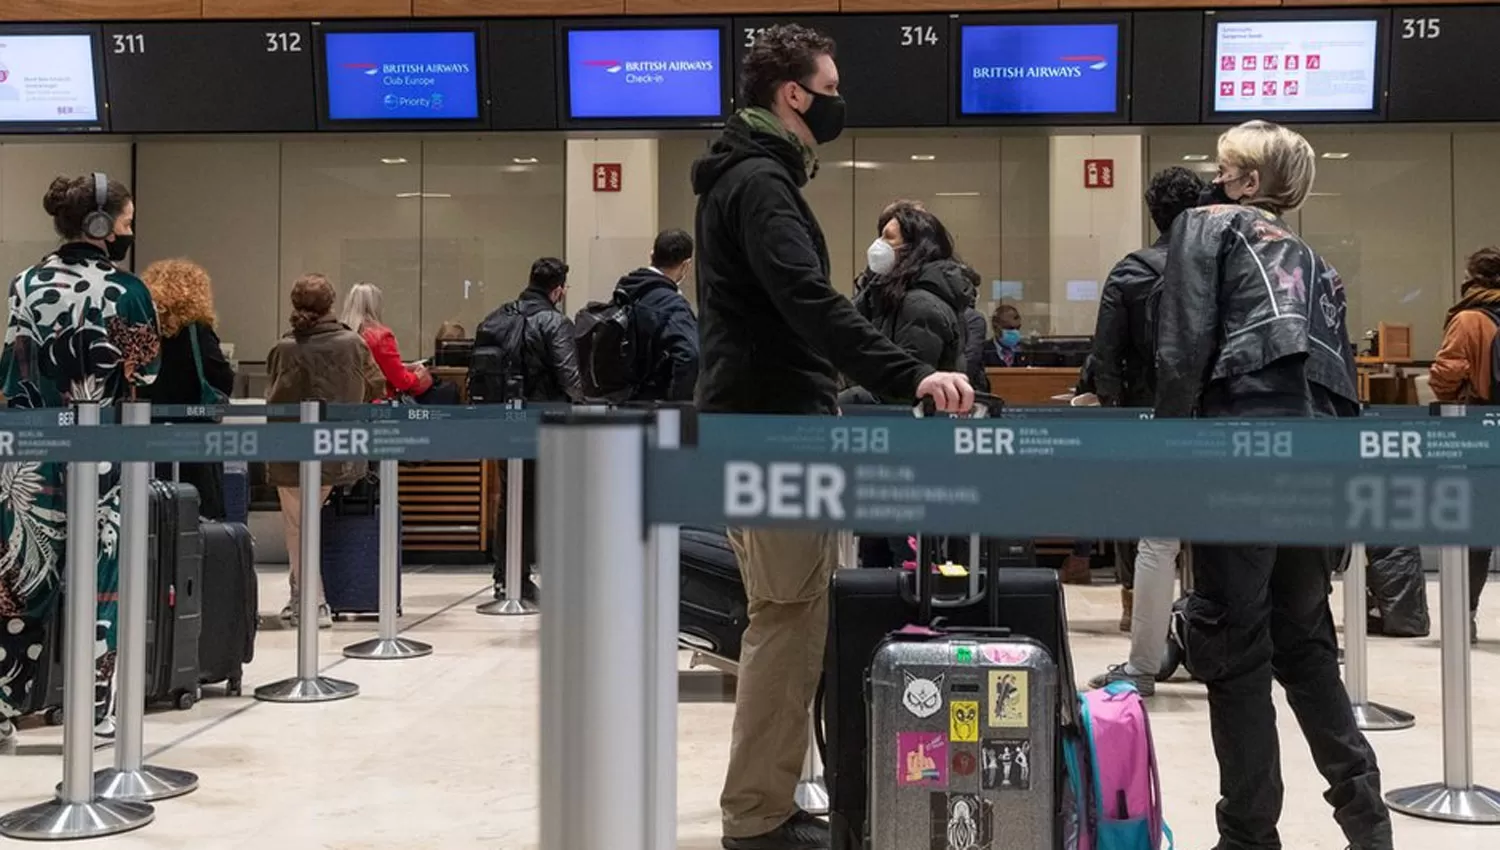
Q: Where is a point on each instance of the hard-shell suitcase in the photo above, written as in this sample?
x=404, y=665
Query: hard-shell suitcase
x=351, y=550
x=174, y=626
x=231, y=605
x=963, y=743
x=712, y=608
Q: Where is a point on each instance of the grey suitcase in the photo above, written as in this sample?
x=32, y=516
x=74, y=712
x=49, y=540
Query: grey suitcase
x=963, y=743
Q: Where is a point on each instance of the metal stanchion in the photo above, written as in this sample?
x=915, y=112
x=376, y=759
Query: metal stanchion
x=307, y=685
x=515, y=569
x=1456, y=799
x=1369, y=716
x=812, y=791
x=129, y=779
x=661, y=600
x=77, y=812
x=848, y=550
x=389, y=644
x=595, y=679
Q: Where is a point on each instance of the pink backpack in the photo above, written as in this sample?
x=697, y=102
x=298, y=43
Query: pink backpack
x=1112, y=774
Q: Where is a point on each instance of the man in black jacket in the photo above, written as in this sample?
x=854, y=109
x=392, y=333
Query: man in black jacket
x=666, y=331
x=775, y=336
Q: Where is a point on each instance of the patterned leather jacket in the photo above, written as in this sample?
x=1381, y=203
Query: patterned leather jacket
x=1241, y=292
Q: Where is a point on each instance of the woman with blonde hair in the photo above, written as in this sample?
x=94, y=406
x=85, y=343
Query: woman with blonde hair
x=1252, y=324
x=362, y=314
x=318, y=359
x=194, y=369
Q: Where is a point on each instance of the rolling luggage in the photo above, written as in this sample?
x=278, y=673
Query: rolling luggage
x=867, y=606
x=175, y=612
x=351, y=550
x=237, y=492
x=231, y=605
x=712, y=609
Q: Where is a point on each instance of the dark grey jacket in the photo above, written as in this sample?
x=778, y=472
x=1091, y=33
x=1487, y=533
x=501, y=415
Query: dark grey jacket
x=1124, y=355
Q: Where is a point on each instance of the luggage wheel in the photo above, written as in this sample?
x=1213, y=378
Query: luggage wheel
x=186, y=700
x=53, y=716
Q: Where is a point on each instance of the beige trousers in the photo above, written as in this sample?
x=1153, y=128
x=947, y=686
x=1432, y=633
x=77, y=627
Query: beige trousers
x=786, y=577
x=291, y=517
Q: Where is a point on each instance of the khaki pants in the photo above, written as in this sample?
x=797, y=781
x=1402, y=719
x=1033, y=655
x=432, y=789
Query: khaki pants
x=291, y=517
x=786, y=577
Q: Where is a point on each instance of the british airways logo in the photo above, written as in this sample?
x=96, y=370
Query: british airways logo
x=1066, y=67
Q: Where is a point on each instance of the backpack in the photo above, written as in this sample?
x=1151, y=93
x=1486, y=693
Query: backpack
x=1494, y=315
x=604, y=332
x=497, y=368
x=1153, y=298
x=1113, y=791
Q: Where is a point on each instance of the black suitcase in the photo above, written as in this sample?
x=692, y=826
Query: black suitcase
x=865, y=606
x=174, y=624
x=231, y=605
x=711, y=614
x=351, y=550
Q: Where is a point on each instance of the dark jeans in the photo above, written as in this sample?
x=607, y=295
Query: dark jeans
x=1259, y=612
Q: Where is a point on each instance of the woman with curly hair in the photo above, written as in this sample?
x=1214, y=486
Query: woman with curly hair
x=80, y=329
x=194, y=369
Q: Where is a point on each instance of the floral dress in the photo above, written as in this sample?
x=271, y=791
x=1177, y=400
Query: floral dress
x=80, y=330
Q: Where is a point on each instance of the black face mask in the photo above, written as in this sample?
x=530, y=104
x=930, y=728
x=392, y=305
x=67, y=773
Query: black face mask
x=825, y=117
x=119, y=247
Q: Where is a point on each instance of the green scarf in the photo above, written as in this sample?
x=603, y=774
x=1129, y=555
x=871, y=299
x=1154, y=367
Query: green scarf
x=765, y=121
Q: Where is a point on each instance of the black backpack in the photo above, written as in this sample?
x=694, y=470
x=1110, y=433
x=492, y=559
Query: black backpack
x=1494, y=314
x=497, y=368
x=1153, y=299
x=605, y=333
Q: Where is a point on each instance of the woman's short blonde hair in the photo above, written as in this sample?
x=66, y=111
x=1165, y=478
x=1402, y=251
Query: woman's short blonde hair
x=183, y=294
x=1285, y=161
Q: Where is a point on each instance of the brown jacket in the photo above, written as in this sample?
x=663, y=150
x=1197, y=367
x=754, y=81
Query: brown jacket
x=330, y=363
x=1461, y=372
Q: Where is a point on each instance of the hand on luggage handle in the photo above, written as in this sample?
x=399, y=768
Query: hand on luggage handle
x=985, y=406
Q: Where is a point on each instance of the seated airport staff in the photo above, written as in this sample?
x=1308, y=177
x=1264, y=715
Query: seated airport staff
x=193, y=365
x=1461, y=374
x=1230, y=346
x=362, y=314
x=666, y=331
x=1004, y=348
x=319, y=358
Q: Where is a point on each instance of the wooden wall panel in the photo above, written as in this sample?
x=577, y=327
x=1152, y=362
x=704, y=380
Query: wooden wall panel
x=98, y=10
x=515, y=8
x=1174, y=4
x=948, y=5
x=307, y=9
x=729, y=7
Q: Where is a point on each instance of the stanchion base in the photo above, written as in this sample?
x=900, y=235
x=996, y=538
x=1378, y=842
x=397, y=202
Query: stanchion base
x=812, y=796
x=59, y=821
x=145, y=785
x=1439, y=802
x=320, y=689
x=508, y=608
x=380, y=649
x=1374, y=717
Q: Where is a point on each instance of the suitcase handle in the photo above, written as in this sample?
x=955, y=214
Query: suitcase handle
x=923, y=589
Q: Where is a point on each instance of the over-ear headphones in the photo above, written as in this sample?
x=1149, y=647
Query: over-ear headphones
x=99, y=224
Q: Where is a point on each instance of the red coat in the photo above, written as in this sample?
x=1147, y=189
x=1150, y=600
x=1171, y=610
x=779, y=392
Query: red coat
x=398, y=378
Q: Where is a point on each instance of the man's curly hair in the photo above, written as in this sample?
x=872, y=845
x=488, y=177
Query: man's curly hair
x=782, y=54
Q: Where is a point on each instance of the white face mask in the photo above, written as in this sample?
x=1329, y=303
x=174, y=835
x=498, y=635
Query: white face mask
x=880, y=257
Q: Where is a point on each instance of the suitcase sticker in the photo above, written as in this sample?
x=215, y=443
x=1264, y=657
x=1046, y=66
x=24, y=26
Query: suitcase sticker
x=922, y=759
x=1010, y=693
x=963, y=721
x=962, y=822
x=923, y=697
x=1007, y=765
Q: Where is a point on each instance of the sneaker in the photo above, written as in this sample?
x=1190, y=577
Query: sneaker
x=7, y=738
x=1117, y=673
x=801, y=831
x=325, y=618
x=288, y=614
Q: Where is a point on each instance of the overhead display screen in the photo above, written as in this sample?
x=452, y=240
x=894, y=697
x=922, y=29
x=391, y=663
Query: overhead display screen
x=1433, y=73
x=893, y=69
x=204, y=77
x=402, y=76
x=48, y=80
x=1296, y=66
x=645, y=74
x=1040, y=69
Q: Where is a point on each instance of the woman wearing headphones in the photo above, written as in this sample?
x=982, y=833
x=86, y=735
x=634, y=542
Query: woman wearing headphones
x=81, y=329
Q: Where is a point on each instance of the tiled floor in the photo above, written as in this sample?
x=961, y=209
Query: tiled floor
x=441, y=752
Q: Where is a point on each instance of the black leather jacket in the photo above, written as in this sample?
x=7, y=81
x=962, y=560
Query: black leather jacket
x=551, y=352
x=1248, y=310
x=1124, y=353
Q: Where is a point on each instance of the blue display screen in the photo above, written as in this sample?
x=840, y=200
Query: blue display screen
x=402, y=76
x=645, y=73
x=1042, y=69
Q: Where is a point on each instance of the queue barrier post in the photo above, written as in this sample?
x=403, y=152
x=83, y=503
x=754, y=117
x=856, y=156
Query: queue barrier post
x=130, y=779
x=307, y=685
x=77, y=811
x=661, y=590
x=389, y=644
x=1456, y=799
x=513, y=603
x=596, y=662
x=1369, y=716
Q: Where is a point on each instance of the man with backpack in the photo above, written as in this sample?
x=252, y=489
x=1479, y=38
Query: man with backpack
x=1124, y=366
x=642, y=345
x=524, y=350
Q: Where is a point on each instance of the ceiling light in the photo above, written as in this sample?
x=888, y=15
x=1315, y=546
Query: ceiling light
x=1195, y=157
x=525, y=160
x=957, y=194
x=393, y=160
x=922, y=157
x=423, y=195
x=1335, y=155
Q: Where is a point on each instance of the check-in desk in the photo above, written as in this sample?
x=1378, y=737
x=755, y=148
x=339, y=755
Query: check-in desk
x=1031, y=384
x=450, y=506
